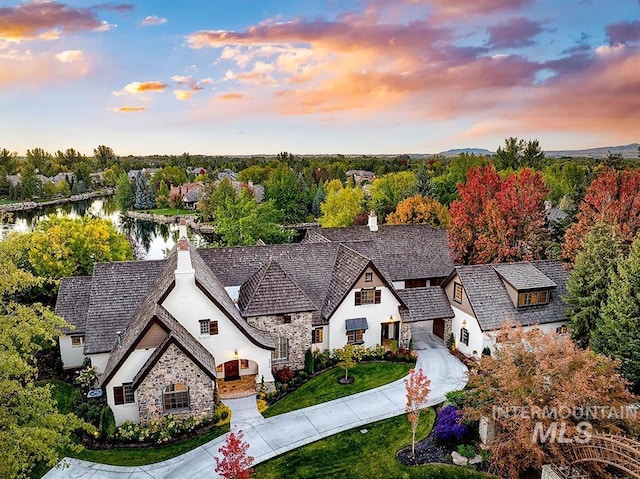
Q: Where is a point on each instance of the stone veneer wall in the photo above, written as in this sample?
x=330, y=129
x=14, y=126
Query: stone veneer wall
x=405, y=335
x=298, y=332
x=448, y=327
x=175, y=367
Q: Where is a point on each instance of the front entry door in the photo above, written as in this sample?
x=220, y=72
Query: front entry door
x=231, y=370
x=390, y=331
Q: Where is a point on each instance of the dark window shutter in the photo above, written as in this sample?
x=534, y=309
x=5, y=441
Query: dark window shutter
x=378, y=296
x=118, y=395
x=358, y=298
x=213, y=327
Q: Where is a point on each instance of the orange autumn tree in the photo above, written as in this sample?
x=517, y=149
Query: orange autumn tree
x=498, y=220
x=534, y=374
x=417, y=386
x=613, y=198
x=420, y=209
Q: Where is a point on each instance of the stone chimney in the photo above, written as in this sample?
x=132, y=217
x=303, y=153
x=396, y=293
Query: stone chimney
x=373, y=221
x=184, y=266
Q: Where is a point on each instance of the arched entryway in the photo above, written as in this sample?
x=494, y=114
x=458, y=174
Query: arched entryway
x=236, y=378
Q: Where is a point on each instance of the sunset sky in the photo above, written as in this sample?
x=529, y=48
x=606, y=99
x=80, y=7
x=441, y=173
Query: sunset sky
x=336, y=76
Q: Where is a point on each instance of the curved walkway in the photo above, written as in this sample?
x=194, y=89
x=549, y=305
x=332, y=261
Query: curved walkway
x=273, y=436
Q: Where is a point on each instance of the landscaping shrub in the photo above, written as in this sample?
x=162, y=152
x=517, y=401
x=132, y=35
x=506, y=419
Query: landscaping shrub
x=107, y=423
x=89, y=409
x=284, y=375
x=449, y=426
x=308, y=361
x=467, y=450
x=456, y=398
x=451, y=341
x=486, y=351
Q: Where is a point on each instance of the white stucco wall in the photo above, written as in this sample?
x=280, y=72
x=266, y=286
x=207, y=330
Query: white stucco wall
x=398, y=284
x=99, y=361
x=189, y=305
x=126, y=373
x=72, y=356
x=324, y=345
x=476, y=338
x=376, y=314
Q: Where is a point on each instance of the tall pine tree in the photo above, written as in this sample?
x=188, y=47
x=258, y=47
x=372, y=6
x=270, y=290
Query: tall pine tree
x=144, y=196
x=589, y=281
x=617, y=333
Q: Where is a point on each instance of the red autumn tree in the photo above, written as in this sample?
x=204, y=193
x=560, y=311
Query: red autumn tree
x=418, y=387
x=612, y=198
x=420, y=209
x=235, y=463
x=498, y=220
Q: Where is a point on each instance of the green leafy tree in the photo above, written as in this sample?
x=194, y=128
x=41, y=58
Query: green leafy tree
x=245, y=222
x=389, y=190
x=589, y=280
x=347, y=358
x=341, y=205
x=110, y=175
x=5, y=186
x=63, y=188
x=124, y=192
x=82, y=173
x=42, y=161
x=420, y=209
x=30, y=185
x=617, y=333
x=256, y=173
x=9, y=160
x=105, y=156
x=287, y=194
x=518, y=153
x=162, y=200
x=63, y=246
x=31, y=429
x=216, y=195
x=171, y=175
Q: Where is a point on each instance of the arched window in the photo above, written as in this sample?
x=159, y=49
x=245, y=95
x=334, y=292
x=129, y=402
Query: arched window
x=176, y=396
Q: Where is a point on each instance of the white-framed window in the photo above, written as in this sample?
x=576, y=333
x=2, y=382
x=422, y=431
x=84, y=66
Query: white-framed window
x=368, y=296
x=464, y=336
x=244, y=364
x=176, y=396
x=368, y=277
x=281, y=352
x=355, y=337
x=457, y=292
x=316, y=335
x=77, y=341
x=532, y=298
x=208, y=327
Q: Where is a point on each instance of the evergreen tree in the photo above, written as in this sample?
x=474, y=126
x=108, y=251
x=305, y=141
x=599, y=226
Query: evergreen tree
x=4, y=182
x=617, y=332
x=144, y=197
x=216, y=194
x=318, y=198
x=124, y=192
x=590, y=279
x=287, y=194
x=29, y=183
x=162, y=200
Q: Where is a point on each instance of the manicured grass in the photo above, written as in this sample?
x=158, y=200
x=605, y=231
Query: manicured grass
x=148, y=455
x=170, y=211
x=64, y=393
x=8, y=202
x=352, y=454
x=325, y=387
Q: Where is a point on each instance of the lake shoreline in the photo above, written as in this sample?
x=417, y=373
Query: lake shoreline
x=190, y=219
x=32, y=205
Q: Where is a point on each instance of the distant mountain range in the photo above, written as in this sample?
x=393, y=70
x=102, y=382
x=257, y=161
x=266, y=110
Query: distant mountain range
x=627, y=151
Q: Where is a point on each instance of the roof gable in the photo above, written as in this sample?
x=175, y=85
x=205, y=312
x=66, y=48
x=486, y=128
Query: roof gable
x=347, y=269
x=271, y=291
x=492, y=305
x=523, y=276
x=425, y=304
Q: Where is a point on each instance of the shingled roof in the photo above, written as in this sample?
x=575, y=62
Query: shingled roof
x=73, y=302
x=271, y=291
x=490, y=300
x=523, y=276
x=425, y=304
x=391, y=246
x=117, y=289
x=348, y=267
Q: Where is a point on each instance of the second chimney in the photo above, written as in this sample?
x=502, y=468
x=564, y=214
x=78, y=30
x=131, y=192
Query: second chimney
x=373, y=221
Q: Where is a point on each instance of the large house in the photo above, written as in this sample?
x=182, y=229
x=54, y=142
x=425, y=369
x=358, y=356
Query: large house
x=166, y=335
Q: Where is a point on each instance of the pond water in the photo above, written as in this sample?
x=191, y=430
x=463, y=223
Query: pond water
x=150, y=240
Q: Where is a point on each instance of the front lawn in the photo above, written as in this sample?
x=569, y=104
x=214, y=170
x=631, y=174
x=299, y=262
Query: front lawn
x=148, y=455
x=325, y=387
x=65, y=394
x=354, y=454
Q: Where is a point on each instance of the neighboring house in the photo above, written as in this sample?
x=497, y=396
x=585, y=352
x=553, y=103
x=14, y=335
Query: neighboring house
x=228, y=174
x=190, y=193
x=360, y=175
x=165, y=334
x=484, y=297
x=132, y=174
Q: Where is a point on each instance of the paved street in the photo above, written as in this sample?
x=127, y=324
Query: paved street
x=273, y=436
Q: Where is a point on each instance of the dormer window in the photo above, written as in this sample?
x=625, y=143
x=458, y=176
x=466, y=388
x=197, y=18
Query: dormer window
x=532, y=298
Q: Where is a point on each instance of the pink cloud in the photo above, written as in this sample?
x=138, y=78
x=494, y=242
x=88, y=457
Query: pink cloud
x=29, y=20
x=623, y=32
x=514, y=33
x=465, y=8
x=231, y=96
x=141, y=87
x=154, y=20
x=129, y=109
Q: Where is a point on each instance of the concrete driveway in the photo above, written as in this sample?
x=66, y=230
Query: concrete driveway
x=272, y=436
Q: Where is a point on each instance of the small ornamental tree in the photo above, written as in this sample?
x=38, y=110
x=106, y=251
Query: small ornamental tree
x=418, y=387
x=347, y=359
x=235, y=463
